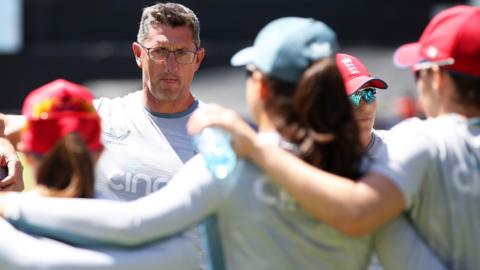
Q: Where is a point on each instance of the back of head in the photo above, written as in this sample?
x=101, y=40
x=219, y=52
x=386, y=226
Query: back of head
x=308, y=104
x=287, y=46
x=451, y=40
x=62, y=130
x=171, y=14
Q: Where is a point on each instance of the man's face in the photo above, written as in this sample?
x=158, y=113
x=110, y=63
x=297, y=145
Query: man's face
x=166, y=79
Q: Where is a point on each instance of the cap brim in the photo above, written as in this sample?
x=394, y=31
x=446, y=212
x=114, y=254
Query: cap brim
x=364, y=81
x=243, y=57
x=407, y=55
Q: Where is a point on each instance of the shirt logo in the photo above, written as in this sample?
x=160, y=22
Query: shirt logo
x=352, y=69
x=117, y=134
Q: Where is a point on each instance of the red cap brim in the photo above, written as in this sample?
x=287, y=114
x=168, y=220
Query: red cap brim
x=407, y=55
x=364, y=81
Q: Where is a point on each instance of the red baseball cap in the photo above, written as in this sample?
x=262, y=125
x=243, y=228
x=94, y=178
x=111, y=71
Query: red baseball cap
x=451, y=39
x=355, y=75
x=55, y=110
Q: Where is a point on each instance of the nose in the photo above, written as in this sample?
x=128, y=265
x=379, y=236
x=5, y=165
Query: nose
x=171, y=63
x=364, y=106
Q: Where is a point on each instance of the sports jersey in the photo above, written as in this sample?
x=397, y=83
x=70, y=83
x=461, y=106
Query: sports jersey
x=436, y=165
x=143, y=149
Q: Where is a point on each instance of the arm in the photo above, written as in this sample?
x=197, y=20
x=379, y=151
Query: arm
x=190, y=196
x=355, y=208
x=399, y=246
x=20, y=251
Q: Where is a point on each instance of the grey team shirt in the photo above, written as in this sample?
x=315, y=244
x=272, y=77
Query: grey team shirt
x=143, y=150
x=261, y=227
x=436, y=165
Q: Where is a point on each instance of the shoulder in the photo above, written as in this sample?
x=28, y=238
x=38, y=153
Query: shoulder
x=106, y=104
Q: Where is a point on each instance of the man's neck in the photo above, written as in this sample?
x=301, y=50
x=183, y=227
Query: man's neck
x=168, y=106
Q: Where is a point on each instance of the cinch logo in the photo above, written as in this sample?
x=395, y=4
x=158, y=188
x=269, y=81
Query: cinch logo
x=350, y=66
x=268, y=193
x=135, y=183
x=466, y=179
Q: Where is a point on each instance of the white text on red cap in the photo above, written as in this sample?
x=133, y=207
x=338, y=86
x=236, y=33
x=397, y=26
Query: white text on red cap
x=350, y=66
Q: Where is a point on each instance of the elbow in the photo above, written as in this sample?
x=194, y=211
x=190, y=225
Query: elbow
x=352, y=224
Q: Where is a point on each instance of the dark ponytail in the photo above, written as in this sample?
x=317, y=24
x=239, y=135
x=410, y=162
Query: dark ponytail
x=318, y=117
x=67, y=170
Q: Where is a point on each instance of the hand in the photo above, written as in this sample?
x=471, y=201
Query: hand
x=243, y=136
x=8, y=158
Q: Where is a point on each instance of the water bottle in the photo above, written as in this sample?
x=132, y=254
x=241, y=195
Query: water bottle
x=214, y=144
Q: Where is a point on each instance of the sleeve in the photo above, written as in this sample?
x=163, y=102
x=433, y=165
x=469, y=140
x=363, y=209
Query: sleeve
x=406, y=157
x=21, y=251
x=399, y=246
x=190, y=196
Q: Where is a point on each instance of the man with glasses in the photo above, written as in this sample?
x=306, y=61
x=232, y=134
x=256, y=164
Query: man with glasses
x=145, y=133
x=433, y=169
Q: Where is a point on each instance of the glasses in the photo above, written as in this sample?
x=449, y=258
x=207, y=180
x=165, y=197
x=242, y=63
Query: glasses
x=368, y=94
x=160, y=54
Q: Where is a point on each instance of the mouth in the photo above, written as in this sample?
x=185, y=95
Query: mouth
x=169, y=80
x=364, y=119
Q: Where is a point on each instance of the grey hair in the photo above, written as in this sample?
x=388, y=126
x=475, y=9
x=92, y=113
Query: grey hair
x=171, y=14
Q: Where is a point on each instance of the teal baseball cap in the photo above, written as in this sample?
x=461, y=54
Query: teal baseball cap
x=287, y=46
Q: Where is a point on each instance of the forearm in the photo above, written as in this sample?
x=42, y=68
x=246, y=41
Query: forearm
x=355, y=208
x=185, y=201
x=95, y=221
x=20, y=251
x=399, y=246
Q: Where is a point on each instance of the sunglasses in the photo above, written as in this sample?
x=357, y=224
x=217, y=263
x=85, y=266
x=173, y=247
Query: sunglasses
x=368, y=94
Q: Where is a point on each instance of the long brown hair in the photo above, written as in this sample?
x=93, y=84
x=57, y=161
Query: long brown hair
x=67, y=170
x=317, y=115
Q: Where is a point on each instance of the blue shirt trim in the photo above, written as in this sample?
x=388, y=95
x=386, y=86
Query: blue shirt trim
x=188, y=111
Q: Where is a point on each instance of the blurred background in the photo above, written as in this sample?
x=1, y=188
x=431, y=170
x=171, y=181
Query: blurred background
x=89, y=42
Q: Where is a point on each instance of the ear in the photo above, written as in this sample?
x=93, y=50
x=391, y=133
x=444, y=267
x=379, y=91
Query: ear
x=263, y=90
x=199, y=58
x=137, y=53
x=439, y=80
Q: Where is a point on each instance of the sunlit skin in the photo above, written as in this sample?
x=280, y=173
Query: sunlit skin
x=256, y=94
x=166, y=84
x=365, y=116
x=425, y=92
